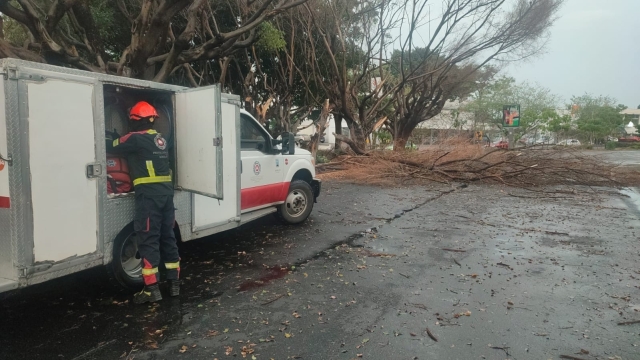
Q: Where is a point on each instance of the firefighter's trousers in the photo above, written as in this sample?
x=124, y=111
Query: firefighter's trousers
x=154, y=222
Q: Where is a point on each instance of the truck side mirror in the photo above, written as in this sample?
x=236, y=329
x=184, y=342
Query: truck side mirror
x=288, y=143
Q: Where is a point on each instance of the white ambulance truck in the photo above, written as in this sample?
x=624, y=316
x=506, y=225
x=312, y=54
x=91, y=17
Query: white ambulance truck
x=56, y=216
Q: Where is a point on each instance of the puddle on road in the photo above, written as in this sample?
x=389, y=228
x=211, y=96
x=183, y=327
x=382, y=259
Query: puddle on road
x=632, y=199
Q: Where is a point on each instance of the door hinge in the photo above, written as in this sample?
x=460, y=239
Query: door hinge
x=232, y=101
x=11, y=73
x=94, y=170
x=14, y=73
x=217, y=141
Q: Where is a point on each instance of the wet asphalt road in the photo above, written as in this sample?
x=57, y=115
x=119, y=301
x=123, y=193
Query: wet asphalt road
x=621, y=157
x=492, y=272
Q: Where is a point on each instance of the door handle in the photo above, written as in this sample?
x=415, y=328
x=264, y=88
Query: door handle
x=94, y=170
x=8, y=159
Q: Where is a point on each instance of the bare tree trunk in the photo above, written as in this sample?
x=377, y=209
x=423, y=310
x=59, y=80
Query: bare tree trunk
x=356, y=149
x=403, y=132
x=357, y=142
x=399, y=143
x=224, y=68
x=321, y=126
x=337, y=119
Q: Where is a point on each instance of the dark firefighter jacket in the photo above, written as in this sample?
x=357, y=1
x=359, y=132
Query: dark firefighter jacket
x=148, y=159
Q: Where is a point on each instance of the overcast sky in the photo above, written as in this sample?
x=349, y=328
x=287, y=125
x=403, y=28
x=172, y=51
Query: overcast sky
x=594, y=48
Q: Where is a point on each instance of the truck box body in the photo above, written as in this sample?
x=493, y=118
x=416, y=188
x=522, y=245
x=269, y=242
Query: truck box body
x=56, y=217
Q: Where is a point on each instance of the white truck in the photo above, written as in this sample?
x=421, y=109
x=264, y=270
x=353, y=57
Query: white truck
x=56, y=215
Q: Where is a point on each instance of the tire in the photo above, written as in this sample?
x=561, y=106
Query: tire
x=299, y=203
x=125, y=269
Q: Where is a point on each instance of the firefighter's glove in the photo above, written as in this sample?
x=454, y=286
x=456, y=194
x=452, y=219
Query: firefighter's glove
x=111, y=135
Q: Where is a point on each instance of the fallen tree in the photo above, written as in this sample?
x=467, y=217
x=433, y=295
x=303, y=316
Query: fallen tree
x=458, y=160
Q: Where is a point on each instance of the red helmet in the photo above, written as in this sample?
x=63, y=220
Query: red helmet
x=142, y=110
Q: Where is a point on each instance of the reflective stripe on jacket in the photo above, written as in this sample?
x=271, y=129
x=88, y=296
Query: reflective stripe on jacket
x=147, y=156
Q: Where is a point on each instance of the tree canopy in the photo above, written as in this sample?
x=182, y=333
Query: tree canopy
x=537, y=104
x=597, y=116
x=371, y=59
x=140, y=38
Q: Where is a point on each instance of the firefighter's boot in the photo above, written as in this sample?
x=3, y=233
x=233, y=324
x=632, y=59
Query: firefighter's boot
x=174, y=287
x=150, y=293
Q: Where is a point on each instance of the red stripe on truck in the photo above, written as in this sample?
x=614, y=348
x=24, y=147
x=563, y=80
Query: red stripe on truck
x=263, y=195
x=5, y=202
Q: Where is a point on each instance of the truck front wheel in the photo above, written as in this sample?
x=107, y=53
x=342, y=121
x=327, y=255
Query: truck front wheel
x=298, y=204
x=126, y=267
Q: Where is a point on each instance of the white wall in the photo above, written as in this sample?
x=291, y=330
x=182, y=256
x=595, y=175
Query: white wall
x=329, y=138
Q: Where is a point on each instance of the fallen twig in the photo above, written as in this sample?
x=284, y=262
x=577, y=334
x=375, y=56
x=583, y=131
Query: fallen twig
x=505, y=349
x=570, y=357
x=420, y=306
x=556, y=233
x=274, y=299
x=454, y=250
x=100, y=346
x=335, y=163
x=374, y=254
x=407, y=276
x=629, y=322
x=433, y=337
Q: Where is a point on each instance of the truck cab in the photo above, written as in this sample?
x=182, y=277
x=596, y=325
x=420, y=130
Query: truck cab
x=273, y=178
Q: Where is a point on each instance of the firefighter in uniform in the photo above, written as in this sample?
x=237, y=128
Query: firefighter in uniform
x=148, y=158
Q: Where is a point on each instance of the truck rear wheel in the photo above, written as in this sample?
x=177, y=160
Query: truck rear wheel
x=126, y=266
x=299, y=203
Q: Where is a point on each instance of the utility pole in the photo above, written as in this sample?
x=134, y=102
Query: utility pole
x=510, y=138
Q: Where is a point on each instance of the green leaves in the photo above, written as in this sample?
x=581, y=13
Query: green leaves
x=598, y=116
x=538, y=104
x=270, y=38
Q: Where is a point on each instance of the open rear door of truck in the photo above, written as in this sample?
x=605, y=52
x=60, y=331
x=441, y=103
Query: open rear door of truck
x=199, y=141
x=212, y=215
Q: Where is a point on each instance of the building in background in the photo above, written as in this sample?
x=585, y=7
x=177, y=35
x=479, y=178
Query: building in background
x=452, y=117
x=327, y=141
x=632, y=115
